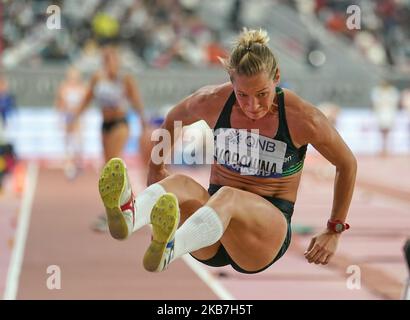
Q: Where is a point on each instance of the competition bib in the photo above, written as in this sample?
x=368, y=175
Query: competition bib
x=249, y=153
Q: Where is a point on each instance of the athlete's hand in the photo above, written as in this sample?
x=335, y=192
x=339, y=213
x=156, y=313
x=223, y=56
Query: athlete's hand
x=156, y=174
x=322, y=247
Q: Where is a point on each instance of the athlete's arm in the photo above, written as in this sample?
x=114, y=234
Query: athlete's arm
x=188, y=111
x=324, y=138
x=134, y=97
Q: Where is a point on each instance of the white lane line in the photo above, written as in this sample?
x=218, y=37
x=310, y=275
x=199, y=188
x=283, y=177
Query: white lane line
x=208, y=278
x=17, y=256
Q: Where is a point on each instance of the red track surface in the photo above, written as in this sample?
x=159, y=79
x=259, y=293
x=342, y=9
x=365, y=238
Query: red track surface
x=94, y=266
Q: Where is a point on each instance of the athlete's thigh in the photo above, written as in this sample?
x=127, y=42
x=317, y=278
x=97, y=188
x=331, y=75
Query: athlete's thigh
x=191, y=194
x=255, y=232
x=114, y=141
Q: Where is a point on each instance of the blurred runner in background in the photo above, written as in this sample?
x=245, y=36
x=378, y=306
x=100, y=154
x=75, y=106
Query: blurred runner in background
x=69, y=95
x=112, y=91
x=385, y=99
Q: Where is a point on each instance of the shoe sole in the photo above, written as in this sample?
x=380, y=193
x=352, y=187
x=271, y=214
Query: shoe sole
x=164, y=220
x=111, y=185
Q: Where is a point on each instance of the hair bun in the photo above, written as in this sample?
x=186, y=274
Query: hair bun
x=249, y=37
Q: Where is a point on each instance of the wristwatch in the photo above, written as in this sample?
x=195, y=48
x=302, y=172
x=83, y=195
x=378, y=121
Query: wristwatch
x=337, y=226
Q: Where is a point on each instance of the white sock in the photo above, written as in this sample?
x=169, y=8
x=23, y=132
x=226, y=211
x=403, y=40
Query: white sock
x=145, y=202
x=200, y=230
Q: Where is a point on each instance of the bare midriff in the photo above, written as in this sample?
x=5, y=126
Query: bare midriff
x=283, y=188
x=113, y=113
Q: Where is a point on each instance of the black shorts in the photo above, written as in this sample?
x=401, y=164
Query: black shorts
x=222, y=257
x=107, y=126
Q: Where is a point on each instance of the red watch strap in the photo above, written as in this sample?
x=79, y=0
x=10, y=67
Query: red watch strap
x=331, y=224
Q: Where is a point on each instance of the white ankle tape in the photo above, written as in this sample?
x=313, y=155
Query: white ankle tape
x=155, y=190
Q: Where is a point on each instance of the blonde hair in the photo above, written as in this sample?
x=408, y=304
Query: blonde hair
x=251, y=55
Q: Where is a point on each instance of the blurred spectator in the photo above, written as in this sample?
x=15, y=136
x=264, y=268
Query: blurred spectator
x=405, y=99
x=7, y=155
x=235, y=16
x=214, y=51
x=8, y=160
x=7, y=101
x=105, y=26
x=159, y=32
x=370, y=45
x=384, y=34
x=405, y=104
x=89, y=58
x=385, y=99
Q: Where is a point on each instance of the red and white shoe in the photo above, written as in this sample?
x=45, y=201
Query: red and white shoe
x=118, y=198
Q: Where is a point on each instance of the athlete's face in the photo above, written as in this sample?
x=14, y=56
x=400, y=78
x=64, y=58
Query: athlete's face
x=254, y=94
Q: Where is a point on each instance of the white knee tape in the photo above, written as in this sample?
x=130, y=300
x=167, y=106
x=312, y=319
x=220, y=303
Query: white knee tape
x=200, y=230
